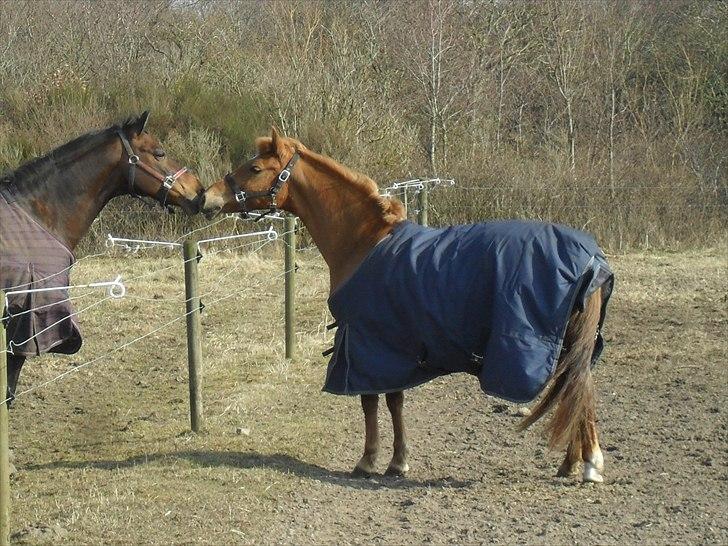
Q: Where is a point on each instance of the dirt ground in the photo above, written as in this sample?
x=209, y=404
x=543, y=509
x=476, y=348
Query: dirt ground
x=105, y=455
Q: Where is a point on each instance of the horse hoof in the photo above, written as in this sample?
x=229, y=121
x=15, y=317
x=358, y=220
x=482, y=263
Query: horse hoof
x=567, y=470
x=397, y=471
x=591, y=474
x=359, y=472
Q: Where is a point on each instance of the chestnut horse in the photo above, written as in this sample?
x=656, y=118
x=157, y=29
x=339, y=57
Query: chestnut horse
x=349, y=221
x=49, y=204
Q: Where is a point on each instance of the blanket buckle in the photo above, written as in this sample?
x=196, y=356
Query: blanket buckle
x=477, y=361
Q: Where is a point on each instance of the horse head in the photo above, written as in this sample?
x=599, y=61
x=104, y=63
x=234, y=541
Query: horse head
x=257, y=184
x=150, y=172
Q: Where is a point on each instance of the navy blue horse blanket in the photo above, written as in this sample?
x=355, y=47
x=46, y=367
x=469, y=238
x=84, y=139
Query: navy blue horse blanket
x=490, y=299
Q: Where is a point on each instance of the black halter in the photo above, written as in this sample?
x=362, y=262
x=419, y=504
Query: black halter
x=166, y=179
x=242, y=196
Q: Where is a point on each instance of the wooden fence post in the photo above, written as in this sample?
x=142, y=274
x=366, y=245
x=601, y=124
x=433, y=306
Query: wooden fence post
x=194, y=348
x=289, y=238
x=424, y=203
x=4, y=445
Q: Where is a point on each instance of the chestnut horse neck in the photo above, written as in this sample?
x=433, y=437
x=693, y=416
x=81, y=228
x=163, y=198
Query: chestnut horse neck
x=67, y=188
x=342, y=210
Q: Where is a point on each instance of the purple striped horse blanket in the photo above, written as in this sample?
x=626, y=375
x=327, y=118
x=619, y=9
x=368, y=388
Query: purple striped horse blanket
x=31, y=257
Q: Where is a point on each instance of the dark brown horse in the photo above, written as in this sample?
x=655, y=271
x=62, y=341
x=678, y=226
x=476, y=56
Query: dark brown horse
x=349, y=221
x=49, y=204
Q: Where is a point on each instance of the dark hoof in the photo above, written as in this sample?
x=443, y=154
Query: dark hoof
x=395, y=472
x=360, y=473
x=567, y=471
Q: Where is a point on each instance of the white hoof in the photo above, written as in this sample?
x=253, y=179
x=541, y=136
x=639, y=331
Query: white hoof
x=591, y=474
x=598, y=459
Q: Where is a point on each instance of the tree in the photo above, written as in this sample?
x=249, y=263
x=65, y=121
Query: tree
x=440, y=65
x=564, y=45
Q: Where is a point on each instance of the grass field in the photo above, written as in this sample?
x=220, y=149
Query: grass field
x=105, y=455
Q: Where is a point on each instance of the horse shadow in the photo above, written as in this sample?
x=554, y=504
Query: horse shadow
x=250, y=460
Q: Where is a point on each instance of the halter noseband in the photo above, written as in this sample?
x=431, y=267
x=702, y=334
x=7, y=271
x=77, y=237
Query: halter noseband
x=242, y=196
x=167, y=180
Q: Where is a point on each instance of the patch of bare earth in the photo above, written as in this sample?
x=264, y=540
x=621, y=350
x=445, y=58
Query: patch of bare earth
x=104, y=455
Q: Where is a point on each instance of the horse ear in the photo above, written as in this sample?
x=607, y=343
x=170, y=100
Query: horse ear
x=142, y=121
x=277, y=142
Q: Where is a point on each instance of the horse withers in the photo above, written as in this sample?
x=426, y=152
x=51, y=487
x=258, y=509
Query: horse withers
x=519, y=305
x=49, y=204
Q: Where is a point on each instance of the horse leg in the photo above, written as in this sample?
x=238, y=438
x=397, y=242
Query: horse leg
x=584, y=447
x=366, y=465
x=571, y=391
x=398, y=466
x=571, y=462
x=592, y=454
x=15, y=364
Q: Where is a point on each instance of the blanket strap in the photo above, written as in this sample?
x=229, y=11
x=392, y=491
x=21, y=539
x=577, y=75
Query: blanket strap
x=477, y=361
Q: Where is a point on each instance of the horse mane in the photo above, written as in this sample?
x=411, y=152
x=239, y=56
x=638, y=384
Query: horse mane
x=391, y=209
x=42, y=168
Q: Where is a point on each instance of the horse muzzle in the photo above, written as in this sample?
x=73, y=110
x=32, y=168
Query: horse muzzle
x=209, y=206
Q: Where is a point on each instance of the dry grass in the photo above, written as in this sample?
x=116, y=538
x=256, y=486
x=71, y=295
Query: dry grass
x=105, y=455
x=119, y=427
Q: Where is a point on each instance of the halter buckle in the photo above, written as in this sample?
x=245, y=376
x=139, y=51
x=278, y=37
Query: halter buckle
x=168, y=182
x=284, y=175
x=133, y=159
x=240, y=196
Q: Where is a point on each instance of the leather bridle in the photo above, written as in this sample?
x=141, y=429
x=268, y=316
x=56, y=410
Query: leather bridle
x=166, y=180
x=241, y=196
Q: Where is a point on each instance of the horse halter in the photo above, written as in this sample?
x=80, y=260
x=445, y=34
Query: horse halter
x=167, y=180
x=242, y=196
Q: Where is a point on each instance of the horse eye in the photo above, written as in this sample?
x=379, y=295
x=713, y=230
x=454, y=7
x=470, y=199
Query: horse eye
x=255, y=168
x=159, y=153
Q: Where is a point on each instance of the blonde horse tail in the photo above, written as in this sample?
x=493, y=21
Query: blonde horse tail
x=571, y=387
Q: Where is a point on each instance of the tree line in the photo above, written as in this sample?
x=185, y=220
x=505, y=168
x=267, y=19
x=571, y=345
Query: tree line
x=606, y=115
